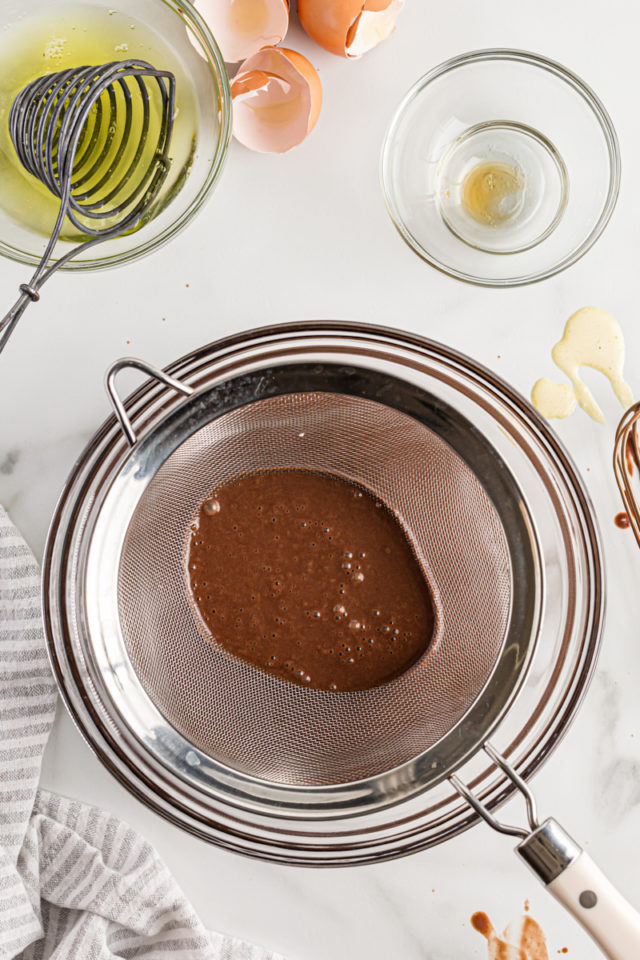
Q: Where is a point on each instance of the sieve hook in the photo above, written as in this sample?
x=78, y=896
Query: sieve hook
x=486, y=815
x=118, y=406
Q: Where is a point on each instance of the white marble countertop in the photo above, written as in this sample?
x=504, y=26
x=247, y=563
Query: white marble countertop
x=307, y=236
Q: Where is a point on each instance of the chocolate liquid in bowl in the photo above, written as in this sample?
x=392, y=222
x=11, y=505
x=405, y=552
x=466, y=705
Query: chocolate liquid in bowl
x=309, y=578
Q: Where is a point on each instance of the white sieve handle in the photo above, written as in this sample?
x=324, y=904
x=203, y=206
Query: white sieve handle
x=568, y=873
x=118, y=405
x=571, y=876
x=584, y=891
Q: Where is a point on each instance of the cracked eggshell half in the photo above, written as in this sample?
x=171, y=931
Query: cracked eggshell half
x=349, y=28
x=242, y=27
x=277, y=97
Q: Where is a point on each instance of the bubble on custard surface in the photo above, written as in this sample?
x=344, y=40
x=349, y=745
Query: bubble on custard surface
x=211, y=507
x=358, y=576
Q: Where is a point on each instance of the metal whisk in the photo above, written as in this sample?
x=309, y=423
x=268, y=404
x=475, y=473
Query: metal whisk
x=74, y=131
x=626, y=461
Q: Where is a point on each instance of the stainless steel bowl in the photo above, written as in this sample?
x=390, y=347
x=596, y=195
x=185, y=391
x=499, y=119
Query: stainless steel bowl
x=350, y=822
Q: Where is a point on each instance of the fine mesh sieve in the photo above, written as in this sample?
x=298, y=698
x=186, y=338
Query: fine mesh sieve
x=201, y=775
x=370, y=430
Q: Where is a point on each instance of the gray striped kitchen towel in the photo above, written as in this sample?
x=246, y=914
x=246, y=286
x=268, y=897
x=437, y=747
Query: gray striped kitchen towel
x=75, y=882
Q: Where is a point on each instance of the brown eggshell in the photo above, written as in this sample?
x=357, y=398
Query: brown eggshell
x=349, y=28
x=277, y=98
x=242, y=27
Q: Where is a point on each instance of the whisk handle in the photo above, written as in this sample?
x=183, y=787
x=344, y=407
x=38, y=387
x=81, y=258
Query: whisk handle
x=28, y=294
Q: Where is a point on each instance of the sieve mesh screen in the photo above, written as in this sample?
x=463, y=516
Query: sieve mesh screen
x=262, y=725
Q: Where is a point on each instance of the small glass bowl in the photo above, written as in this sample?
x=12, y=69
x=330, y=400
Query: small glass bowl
x=181, y=28
x=500, y=120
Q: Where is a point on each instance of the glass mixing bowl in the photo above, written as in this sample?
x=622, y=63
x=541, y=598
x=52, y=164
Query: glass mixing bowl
x=172, y=26
x=531, y=125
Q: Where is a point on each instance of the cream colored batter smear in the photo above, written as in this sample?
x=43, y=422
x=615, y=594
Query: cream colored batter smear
x=553, y=400
x=522, y=940
x=591, y=338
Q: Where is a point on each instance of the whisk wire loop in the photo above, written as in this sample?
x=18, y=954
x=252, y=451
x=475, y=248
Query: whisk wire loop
x=74, y=131
x=626, y=462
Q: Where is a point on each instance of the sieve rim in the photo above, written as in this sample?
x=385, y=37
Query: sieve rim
x=96, y=728
x=135, y=709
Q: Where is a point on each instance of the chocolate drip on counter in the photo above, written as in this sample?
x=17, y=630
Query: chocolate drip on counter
x=622, y=520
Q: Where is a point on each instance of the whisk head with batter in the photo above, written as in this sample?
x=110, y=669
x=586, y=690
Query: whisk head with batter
x=97, y=137
x=626, y=465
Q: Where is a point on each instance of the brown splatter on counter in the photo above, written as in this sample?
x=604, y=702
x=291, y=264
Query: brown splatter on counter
x=523, y=939
x=480, y=922
x=622, y=521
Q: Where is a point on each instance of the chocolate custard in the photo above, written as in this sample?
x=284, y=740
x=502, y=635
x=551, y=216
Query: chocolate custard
x=309, y=578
